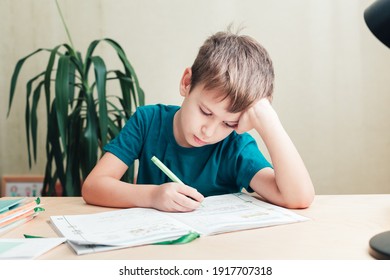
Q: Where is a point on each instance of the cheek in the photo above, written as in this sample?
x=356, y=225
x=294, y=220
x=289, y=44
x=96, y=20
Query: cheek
x=191, y=120
x=221, y=133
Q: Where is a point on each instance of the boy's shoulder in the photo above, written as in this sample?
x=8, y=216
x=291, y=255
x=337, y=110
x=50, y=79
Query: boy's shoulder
x=157, y=109
x=237, y=142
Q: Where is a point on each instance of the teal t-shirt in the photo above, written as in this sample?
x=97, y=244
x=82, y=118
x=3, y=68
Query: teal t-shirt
x=224, y=167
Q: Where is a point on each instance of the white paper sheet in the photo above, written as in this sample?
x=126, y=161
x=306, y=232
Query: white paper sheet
x=27, y=248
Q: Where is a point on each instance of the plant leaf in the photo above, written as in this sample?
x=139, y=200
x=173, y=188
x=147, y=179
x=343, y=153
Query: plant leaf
x=48, y=71
x=34, y=118
x=90, y=137
x=137, y=91
x=15, y=76
x=27, y=114
x=88, y=55
x=100, y=76
x=125, y=84
x=54, y=146
x=73, y=186
x=62, y=96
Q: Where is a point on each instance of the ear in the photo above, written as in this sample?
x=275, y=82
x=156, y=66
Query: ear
x=185, y=82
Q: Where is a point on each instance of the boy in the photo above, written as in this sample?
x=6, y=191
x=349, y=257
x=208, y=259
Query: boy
x=227, y=92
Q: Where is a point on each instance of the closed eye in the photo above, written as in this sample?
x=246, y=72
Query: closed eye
x=204, y=113
x=233, y=126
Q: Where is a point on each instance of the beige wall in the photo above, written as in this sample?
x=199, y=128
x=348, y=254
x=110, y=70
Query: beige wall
x=332, y=76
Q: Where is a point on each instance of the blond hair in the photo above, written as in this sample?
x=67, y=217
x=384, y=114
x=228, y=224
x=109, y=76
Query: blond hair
x=237, y=66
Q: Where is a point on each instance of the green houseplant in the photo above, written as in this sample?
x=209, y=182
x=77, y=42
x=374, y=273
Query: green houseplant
x=81, y=116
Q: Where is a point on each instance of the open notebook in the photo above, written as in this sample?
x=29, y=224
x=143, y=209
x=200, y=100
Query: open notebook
x=141, y=226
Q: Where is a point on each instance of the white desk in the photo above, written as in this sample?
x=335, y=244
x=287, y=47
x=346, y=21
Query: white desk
x=340, y=229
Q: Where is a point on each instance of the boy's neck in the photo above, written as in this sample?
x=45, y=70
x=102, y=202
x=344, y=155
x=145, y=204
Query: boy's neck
x=177, y=132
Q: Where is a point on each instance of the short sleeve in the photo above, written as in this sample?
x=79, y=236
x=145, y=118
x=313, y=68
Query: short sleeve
x=250, y=160
x=128, y=144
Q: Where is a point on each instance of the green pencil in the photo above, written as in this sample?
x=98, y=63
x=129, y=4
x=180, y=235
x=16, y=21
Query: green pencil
x=166, y=170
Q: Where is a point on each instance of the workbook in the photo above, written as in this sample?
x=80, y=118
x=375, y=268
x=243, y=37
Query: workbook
x=117, y=229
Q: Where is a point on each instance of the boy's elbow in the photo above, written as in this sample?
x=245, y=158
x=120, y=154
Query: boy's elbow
x=302, y=203
x=301, y=193
x=303, y=200
x=86, y=191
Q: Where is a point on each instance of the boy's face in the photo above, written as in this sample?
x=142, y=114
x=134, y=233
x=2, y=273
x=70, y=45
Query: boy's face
x=203, y=118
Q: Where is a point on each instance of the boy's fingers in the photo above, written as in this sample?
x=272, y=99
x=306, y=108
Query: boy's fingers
x=192, y=193
x=189, y=199
x=244, y=123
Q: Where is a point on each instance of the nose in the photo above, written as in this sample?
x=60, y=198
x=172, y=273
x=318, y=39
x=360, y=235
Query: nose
x=209, y=128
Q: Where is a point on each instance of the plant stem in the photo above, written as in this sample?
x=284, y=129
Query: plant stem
x=64, y=23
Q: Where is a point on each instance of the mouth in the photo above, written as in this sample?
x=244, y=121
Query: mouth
x=199, y=141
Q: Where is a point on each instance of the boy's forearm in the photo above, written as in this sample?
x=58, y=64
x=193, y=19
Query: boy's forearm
x=110, y=192
x=291, y=176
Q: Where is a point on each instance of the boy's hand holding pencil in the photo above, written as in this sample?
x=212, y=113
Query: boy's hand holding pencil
x=175, y=196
